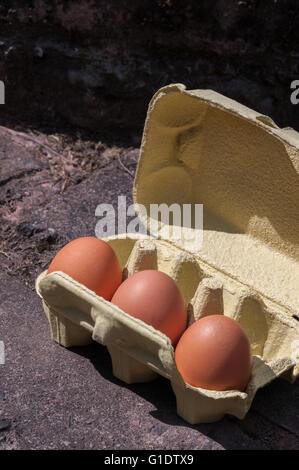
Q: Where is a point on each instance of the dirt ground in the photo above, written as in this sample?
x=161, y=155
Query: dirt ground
x=54, y=398
x=50, y=185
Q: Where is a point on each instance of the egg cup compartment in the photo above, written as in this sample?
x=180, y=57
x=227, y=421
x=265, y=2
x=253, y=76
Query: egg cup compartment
x=139, y=353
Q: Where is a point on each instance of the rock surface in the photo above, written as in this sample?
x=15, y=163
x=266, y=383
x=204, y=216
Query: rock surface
x=96, y=65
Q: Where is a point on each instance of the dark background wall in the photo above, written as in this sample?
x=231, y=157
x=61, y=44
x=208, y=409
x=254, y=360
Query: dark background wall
x=95, y=64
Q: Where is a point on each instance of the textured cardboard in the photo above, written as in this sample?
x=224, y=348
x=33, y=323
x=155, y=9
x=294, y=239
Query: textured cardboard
x=200, y=147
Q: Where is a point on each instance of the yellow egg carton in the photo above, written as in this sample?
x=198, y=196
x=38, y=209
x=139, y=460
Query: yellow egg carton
x=200, y=147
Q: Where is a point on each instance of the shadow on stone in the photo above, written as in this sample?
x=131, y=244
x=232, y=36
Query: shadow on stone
x=230, y=432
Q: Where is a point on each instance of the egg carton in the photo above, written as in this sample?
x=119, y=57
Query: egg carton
x=139, y=353
x=201, y=147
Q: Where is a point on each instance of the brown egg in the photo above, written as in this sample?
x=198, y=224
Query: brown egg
x=214, y=353
x=155, y=298
x=92, y=262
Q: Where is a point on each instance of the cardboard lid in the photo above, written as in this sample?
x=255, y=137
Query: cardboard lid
x=199, y=147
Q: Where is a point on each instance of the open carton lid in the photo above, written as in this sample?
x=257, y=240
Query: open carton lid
x=200, y=147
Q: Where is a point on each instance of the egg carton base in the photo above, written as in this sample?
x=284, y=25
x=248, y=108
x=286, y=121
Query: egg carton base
x=64, y=331
x=129, y=370
x=191, y=405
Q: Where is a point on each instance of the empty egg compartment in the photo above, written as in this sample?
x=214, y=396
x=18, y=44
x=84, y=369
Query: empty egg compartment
x=140, y=353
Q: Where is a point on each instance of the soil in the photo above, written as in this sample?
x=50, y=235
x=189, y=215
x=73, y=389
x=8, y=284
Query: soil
x=50, y=186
